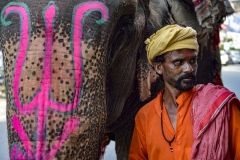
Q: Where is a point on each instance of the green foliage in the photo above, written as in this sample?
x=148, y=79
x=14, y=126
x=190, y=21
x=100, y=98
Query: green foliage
x=233, y=48
x=229, y=40
x=221, y=47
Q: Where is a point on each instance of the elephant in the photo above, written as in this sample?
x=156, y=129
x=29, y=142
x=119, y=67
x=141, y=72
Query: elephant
x=77, y=70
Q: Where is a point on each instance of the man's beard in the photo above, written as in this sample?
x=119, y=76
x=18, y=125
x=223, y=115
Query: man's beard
x=185, y=85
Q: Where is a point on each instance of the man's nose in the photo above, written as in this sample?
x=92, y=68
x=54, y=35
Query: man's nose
x=188, y=68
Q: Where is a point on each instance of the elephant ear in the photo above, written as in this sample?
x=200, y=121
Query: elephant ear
x=121, y=71
x=149, y=82
x=123, y=46
x=160, y=16
x=127, y=60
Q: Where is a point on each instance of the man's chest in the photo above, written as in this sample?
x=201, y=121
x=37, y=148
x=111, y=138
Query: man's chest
x=157, y=144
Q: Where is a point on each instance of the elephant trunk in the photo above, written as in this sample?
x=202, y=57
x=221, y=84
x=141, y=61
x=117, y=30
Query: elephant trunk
x=54, y=79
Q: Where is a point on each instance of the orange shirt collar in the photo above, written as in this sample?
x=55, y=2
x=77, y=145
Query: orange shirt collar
x=180, y=100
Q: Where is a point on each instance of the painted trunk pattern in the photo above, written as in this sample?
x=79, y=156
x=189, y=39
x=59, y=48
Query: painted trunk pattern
x=37, y=145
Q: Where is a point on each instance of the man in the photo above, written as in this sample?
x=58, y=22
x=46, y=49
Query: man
x=184, y=121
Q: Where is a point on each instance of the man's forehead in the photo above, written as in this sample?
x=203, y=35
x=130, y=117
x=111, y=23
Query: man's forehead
x=184, y=53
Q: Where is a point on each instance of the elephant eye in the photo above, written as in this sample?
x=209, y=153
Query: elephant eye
x=125, y=24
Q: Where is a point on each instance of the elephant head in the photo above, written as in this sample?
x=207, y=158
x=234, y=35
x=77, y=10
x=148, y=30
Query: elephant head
x=70, y=70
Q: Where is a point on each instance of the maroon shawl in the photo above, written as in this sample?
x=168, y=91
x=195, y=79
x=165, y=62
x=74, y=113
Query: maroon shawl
x=210, y=118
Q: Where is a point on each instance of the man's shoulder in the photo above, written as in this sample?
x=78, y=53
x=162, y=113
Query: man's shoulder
x=210, y=86
x=207, y=95
x=211, y=91
x=149, y=107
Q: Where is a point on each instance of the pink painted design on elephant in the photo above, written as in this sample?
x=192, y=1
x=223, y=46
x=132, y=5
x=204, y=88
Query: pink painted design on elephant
x=16, y=153
x=24, y=43
x=23, y=136
x=78, y=17
x=69, y=127
x=49, y=15
x=42, y=100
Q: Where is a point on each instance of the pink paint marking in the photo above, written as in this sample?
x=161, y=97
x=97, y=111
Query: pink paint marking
x=77, y=36
x=49, y=16
x=70, y=126
x=42, y=100
x=16, y=153
x=24, y=42
x=23, y=136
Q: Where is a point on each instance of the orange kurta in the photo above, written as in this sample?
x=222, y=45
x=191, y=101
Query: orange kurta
x=149, y=143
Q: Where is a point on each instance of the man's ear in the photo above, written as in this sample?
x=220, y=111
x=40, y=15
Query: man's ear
x=158, y=67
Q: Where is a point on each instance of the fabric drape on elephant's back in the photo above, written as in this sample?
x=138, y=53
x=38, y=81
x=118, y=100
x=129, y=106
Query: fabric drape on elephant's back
x=202, y=9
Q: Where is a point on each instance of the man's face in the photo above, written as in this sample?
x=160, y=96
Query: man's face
x=179, y=69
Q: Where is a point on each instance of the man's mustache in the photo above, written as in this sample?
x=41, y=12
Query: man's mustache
x=186, y=76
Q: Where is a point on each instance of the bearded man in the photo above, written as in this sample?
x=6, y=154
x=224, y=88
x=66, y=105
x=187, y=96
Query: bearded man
x=184, y=121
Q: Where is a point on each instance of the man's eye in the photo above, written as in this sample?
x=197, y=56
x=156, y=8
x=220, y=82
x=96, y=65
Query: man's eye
x=193, y=61
x=177, y=63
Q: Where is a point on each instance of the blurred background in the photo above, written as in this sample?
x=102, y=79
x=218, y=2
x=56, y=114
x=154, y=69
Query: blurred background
x=230, y=36
x=230, y=73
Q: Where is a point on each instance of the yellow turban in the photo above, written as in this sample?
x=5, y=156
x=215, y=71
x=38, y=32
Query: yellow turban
x=170, y=38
